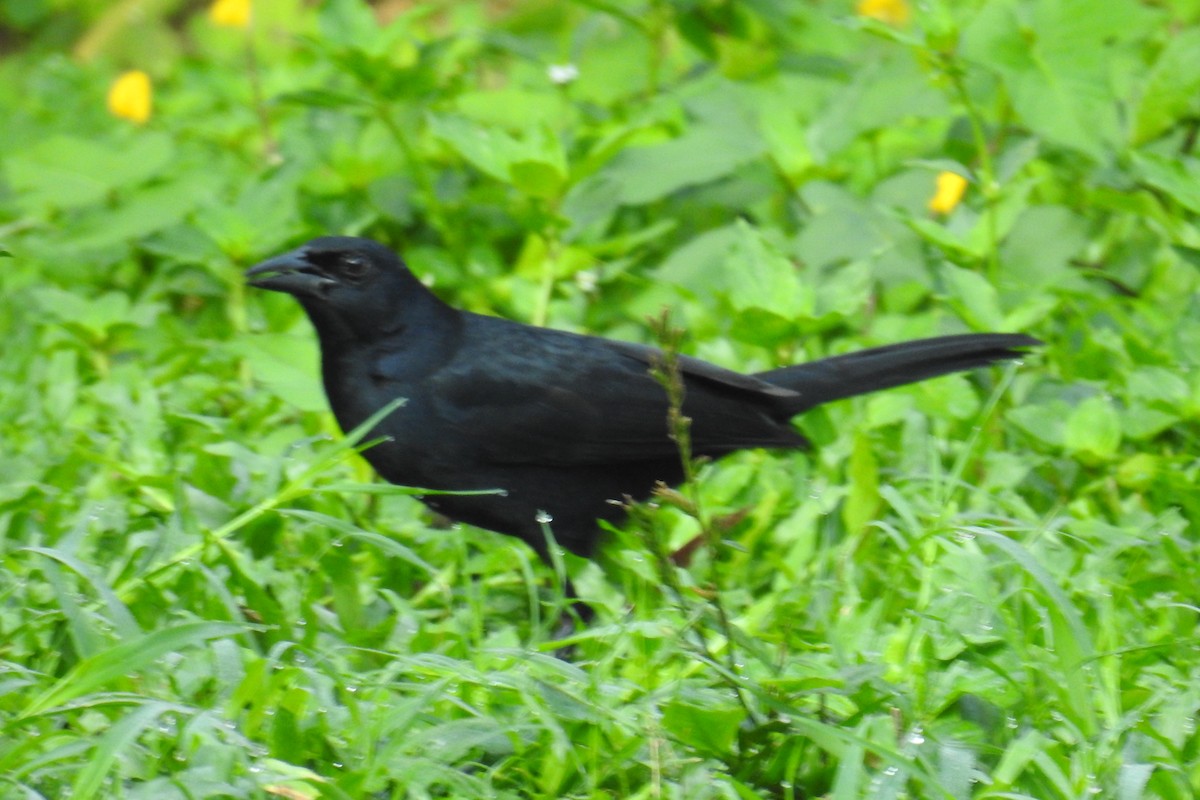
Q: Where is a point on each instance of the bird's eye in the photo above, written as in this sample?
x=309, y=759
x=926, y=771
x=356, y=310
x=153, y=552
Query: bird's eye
x=354, y=267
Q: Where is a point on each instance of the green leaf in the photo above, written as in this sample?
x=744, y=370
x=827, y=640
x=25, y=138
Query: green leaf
x=64, y=171
x=1044, y=421
x=535, y=165
x=885, y=95
x=543, y=172
x=760, y=276
x=324, y=98
x=1172, y=90
x=1178, y=176
x=123, y=660
x=1072, y=642
x=382, y=543
x=975, y=298
x=708, y=150
x=1094, y=429
x=701, y=261
x=349, y=24
x=489, y=149
x=516, y=108
x=286, y=364
x=96, y=316
x=948, y=240
x=148, y=211
x=863, y=502
x=1018, y=756
x=711, y=728
x=117, y=741
x=1038, y=250
x=261, y=219
x=1055, y=58
x=536, y=178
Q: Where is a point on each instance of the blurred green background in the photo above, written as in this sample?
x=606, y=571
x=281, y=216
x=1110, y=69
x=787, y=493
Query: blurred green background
x=979, y=587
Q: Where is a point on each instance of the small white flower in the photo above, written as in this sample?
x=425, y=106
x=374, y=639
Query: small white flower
x=587, y=280
x=562, y=73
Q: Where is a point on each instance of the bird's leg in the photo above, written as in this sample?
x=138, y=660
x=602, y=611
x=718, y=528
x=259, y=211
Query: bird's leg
x=576, y=615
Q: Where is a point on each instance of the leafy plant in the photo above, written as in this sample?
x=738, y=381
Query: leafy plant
x=977, y=587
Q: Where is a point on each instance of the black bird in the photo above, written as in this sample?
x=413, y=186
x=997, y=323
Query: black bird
x=562, y=423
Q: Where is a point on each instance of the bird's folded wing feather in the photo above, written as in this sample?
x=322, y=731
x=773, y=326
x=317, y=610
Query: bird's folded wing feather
x=601, y=407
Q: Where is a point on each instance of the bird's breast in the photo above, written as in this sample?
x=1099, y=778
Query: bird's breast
x=412, y=450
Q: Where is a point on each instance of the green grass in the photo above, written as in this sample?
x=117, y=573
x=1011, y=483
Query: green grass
x=979, y=587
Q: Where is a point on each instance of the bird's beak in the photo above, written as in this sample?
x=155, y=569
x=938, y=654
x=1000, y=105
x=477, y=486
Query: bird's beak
x=292, y=273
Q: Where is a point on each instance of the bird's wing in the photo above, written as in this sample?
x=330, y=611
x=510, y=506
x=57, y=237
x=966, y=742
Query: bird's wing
x=566, y=400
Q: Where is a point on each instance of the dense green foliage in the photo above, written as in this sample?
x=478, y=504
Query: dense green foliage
x=984, y=586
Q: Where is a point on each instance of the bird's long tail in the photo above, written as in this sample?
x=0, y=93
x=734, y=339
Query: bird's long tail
x=894, y=365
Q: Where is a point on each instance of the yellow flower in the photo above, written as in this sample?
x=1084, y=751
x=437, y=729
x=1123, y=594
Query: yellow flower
x=230, y=13
x=949, y=192
x=893, y=12
x=129, y=97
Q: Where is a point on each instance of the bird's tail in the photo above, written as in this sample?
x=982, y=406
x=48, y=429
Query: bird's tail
x=852, y=374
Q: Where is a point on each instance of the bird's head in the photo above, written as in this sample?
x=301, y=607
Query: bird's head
x=349, y=286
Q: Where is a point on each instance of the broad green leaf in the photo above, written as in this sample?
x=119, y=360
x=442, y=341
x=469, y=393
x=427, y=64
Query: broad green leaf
x=96, y=316
x=702, y=261
x=262, y=218
x=1055, y=58
x=710, y=728
x=1179, y=177
x=1044, y=421
x=842, y=290
x=515, y=108
x=351, y=25
x=707, y=150
x=1037, y=252
x=489, y=149
x=148, y=211
x=975, y=298
x=759, y=275
x=287, y=364
x=535, y=164
x=953, y=242
x=1172, y=90
x=1093, y=428
x=881, y=96
x=69, y=172
x=536, y=177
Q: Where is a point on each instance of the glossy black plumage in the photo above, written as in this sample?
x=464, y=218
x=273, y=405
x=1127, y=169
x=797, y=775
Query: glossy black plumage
x=562, y=423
